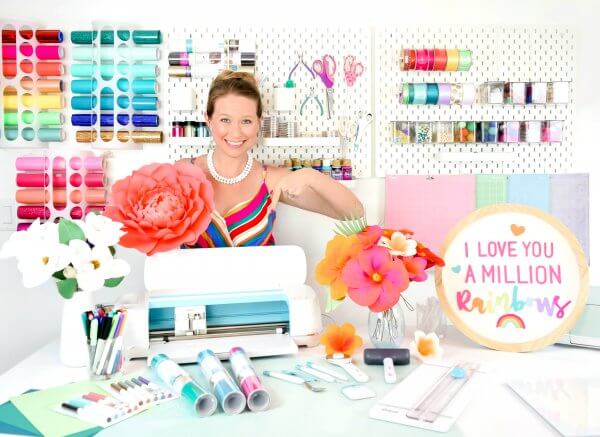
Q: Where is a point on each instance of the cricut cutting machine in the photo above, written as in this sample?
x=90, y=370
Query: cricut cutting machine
x=254, y=297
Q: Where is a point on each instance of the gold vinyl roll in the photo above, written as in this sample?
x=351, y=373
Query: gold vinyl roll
x=179, y=71
x=86, y=136
x=150, y=136
x=453, y=59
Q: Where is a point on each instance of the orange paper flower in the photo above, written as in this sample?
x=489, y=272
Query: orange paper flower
x=162, y=206
x=329, y=271
x=341, y=339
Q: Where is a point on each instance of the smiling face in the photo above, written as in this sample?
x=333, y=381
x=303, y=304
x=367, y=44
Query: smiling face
x=234, y=124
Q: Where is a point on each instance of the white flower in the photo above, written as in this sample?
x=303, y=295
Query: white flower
x=426, y=347
x=101, y=231
x=399, y=244
x=94, y=265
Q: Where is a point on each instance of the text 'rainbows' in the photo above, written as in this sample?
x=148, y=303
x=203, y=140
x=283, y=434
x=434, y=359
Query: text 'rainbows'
x=510, y=319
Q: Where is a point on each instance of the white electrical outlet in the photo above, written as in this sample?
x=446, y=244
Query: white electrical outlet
x=8, y=211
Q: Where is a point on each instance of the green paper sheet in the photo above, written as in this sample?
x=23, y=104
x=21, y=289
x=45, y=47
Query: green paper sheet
x=490, y=189
x=13, y=422
x=38, y=408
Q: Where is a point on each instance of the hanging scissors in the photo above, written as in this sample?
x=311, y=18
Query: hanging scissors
x=325, y=69
x=352, y=69
x=362, y=122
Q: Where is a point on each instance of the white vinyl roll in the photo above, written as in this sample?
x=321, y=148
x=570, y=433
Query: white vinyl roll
x=468, y=94
x=225, y=269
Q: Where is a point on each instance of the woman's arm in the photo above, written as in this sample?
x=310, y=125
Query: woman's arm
x=314, y=191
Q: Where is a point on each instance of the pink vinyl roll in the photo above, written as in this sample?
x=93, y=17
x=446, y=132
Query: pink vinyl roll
x=32, y=180
x=59, y=196
x=75, y=179
x=59, y=180
x=76, y=213
x=75, y=162
x=26, y=50
x=93, y=208
x=421, y=59
x=23, y=226
x=59, y=163
x=444, y=93
x=94, y=180
x=430, y=59
x=76, y=196
x=32, y=163
x=48, y=53
x=35, y=196
x=33, y=212
x=9, y=51
x=93, y=163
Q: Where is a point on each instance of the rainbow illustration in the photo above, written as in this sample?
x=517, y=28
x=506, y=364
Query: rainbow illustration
x=510, y=319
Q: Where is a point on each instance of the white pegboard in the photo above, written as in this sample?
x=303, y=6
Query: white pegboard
x=499, y=54
x=276, y=54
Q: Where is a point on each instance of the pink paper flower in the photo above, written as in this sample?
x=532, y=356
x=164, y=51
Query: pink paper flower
x=374, y=279
x=416, y=266
x=162, y=206
x=370, y=236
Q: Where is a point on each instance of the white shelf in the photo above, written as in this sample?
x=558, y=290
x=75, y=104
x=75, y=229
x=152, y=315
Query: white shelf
x=302, y=142
x=476, y=156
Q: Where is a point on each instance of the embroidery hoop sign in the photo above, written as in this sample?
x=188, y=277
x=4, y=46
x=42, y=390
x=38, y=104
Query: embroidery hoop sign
x=515, y=279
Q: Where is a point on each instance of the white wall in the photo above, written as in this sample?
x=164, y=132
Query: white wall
x=30, y=317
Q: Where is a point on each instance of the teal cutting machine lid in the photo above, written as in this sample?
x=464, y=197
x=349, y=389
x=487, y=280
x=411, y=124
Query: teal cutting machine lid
x=254, y=297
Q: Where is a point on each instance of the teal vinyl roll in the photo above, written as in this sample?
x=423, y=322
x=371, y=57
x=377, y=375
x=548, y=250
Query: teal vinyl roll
x=420, y=93
x=50, y=134
x=13, y=134
x=145, y=86
x=106, y=36
x=84, y=53
x=411, y=94
x=123, y=102
x=28, y=134
x=108, y=70
x=107, y=102
x=147, y=37
x=123, y=85
x=432, y=94
x=84, y=86
x=144, y=103
x=84, y=102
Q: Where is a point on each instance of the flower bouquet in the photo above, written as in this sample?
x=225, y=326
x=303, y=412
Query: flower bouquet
x=373, y=266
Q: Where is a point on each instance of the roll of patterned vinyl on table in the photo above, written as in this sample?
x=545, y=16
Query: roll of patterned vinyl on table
x=228, y=394
x=257, y=397
x=180, y=381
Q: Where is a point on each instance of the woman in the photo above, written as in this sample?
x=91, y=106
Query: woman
x=246, y=192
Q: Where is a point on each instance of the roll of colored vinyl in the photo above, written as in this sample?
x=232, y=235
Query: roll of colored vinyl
x=76, y=213
x=49, y=53
x=11, y=134
x=59, y=180
x=98, y=209
x=420, y=93
x=144, y=86
x=46, y=36
x=50, y=134
x=49, y=85
x=32, y=196
x=179, y=71
x=86, y=136
x=440, y=59
x=139, y=53
x=456, y=94
x=23, y=226
x=405, y=93
x=144, y=136
x=26, y=50
x=84, y=86
x=95, y=196
x=9, y=36
x=84, y=119
x=50, y=68
x=144, y=103
x=59, y=196
x=421, y=63
x=453, y=59
x=106, y=36
x=75, y=179
x=43, y=101
x=411, y=93
x=430, y=59
x=33, y=212
x=107, y=103
x=9, y=69
x=145, y=120
x=93, y=163
x=178, y=59
x=445, y=92
x=147, y=37
x=32, y=163
x=469, y=92
x=84, y=103
x=228, y=394
x=465, y=60
x=9, y=51
x=432, y=94
x=94, y=180
x=76, y=196
x=257, y=397
x=85, y=70
x=88, y=54
x=33, y=180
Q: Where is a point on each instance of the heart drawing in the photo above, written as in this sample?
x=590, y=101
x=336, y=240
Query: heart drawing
x=517, y=230
x=456, y=269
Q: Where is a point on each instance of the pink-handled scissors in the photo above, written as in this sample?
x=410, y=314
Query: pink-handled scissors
x=325, y=69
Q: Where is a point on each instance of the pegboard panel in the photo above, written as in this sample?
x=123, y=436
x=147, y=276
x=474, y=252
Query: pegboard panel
x=277, y=51
x=499, y=54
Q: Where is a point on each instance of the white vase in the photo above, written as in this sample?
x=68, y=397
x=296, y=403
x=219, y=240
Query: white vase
x=73, y=340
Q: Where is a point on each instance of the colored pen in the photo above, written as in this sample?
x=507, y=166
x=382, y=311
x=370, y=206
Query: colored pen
x=143, y=394
x=88, y=413
x=93, y=338
x=123, y=395
x=108, y=344
x=154, y=386
x=284, y=377
x=324, y=369
x=155, y=395
x=122, y=407
x=104, y=330
x=134, y=394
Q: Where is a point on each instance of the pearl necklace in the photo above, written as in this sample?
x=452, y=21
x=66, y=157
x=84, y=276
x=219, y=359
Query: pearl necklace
x=230, y=181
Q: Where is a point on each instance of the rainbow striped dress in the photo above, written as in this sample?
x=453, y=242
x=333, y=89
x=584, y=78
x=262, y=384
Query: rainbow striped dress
x=246, y=224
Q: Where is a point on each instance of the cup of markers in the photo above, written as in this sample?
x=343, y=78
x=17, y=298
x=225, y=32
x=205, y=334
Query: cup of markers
x=104, y=328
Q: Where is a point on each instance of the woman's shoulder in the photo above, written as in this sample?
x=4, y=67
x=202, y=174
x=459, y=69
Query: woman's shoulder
x=274, y=174
x=200, y=161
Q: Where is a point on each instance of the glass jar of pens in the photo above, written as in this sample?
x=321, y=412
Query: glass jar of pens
x=104, y=328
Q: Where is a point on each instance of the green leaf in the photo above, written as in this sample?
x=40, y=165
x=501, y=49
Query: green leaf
x=350, y=226
x=67, y=287
x=332, y=304
x=112, y=250
x=113, y=282
x=59, y=275
x=67, y=231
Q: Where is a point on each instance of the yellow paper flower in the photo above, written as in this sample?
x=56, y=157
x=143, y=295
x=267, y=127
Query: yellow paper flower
x=341, y=339
x=426, y=346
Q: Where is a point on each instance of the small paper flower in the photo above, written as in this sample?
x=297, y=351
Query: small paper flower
x=100, y=230
x=399, y=245
x=341, y=339
x=94, y=265
x=329, y=270
x=369, y=236
x=426, y=347
x=374, y=279
x=415, y=266
x=432, y=258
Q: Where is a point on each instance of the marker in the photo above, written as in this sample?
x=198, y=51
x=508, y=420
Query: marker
x=140, y=392
x=155, y=395
x=87, y=413
x=122, y=393
x=108, y=345
x=93, y=338
x=109, y=402
x=154, y=387
x=132, y=392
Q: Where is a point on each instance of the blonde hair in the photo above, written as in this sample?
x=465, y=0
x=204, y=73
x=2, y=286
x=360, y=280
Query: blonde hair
x=233, y=82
